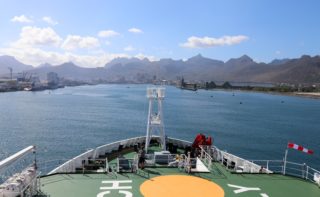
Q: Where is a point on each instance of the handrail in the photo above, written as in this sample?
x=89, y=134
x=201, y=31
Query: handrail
x=264, y=160
x=300, y=170
x=207, y=159
x=290, y=162
x=6, y=162
x=236, y=163
x=45, y=166
x=270, y=165
x=186, y=163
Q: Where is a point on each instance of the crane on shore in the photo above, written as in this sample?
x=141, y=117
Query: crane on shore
x=10, y=68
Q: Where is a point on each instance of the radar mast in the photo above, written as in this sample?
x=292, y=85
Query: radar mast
x=155, y=116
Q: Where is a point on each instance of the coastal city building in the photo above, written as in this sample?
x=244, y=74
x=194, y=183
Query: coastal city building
x=52, y=79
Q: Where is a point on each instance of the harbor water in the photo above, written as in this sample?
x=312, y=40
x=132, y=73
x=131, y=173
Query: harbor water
x=66, y=122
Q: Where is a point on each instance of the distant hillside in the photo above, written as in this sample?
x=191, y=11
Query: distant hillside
x=198, y=68
x=302, y=70
x=70, y=71
x=9, y=61
x=279, y=61
x=243, y=69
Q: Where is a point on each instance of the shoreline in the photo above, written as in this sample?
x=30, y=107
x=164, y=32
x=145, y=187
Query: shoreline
x=311, y=95
x=314, y=95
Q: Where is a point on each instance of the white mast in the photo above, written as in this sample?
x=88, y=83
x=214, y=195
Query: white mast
x=155, y=119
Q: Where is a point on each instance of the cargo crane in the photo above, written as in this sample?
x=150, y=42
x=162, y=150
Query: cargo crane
x=24, y=76
x=10, y=68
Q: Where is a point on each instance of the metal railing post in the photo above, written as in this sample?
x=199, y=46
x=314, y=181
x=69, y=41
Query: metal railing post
x=303, y=170
x=285, y=161
x=201, y=156
x=107, y=165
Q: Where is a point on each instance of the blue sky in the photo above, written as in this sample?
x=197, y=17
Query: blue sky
x=91, y=33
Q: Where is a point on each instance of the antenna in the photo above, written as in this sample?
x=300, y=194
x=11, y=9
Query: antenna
x=155, y=118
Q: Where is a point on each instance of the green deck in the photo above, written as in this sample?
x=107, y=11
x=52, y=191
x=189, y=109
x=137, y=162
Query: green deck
x=87, y=185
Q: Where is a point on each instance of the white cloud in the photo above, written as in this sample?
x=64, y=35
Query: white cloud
x=36, y=46
x=129, y=48
x=278, y=52
x=34, y=56
x=21, y=19
x=30, y=36
x=49, y=20
x=74, y=42
x=150, y=57
x=135, y=30
x=107, y=33
x=107, y=43
x=205, y=42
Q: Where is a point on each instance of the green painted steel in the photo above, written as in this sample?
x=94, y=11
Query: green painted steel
x=272, y=185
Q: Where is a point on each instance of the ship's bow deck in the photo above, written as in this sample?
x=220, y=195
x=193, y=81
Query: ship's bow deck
x=156, y=182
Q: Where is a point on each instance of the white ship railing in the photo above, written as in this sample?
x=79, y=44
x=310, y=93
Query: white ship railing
x=291, y=168
x=218, y=155
x=275, y=166
x=232, y=162
x=179, y=143
x=236, y=163
x=46, y=166
x=72, y=164
x=313, y=175
x=165, y=159
x=108, y=148
x=205, y=155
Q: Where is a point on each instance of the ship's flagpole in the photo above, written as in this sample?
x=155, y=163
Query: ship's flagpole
x=285, y=161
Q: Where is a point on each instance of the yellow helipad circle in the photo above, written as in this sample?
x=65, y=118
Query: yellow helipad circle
x=180, y=186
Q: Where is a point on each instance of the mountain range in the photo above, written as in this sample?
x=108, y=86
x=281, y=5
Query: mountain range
x=305, y=69
x=7, y=62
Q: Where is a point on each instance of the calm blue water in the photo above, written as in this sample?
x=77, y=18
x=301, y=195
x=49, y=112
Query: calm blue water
x=65, y=122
